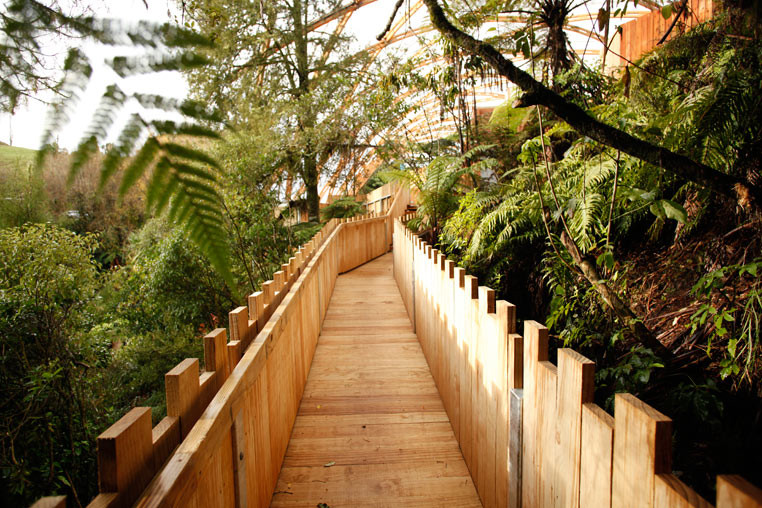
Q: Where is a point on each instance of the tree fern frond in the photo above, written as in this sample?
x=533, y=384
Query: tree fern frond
x=189, y=108
x=158, y=184
x=126, y=66
x=192, y=154
x=139, y=165
x=185, y=129
x=122, y=148
x=77, y=70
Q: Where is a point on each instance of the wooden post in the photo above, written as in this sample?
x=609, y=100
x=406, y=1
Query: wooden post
x=642, y=449
x=216, y=356
x=279, y=281
x=125, y=456
x=293, y=269
x=239, y=327
x=257, y=309
x=268, y=289
x=182, y=388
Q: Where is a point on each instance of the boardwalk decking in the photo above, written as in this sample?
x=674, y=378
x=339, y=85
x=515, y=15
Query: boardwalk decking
x=371, y=429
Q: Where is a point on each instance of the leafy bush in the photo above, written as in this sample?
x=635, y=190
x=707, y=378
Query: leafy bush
x=49, y=415
x=343, y=207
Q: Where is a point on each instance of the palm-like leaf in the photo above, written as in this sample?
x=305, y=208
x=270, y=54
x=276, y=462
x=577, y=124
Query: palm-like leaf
x=184, y=179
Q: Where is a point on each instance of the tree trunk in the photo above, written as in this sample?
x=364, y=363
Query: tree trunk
x=306, y=118
x=744, y=192
x=621, y=309
x=311, y=183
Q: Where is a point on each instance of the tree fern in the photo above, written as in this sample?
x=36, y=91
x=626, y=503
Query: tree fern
x=184, y=179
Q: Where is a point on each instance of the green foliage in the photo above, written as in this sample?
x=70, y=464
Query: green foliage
x=183, y=180
x=169, y=283
x=343, y=207
x=631, y=373
x=507, y=118
x=135, y=376
x=22, y=199
x=716, y=316
x=49, y=416
x=441, y=183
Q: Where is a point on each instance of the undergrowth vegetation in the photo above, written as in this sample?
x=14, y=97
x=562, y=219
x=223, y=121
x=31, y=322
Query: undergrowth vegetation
x=654, y=277
x=98, y=300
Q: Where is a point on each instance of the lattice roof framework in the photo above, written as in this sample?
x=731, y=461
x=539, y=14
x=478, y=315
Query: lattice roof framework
x=409, y=35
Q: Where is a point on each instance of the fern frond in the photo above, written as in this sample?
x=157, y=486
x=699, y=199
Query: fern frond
x=126, y=66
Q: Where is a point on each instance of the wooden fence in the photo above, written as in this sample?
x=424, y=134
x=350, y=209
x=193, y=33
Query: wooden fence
x=641, y=35
x=226, y=430
x=130, y=452
x=529, y=430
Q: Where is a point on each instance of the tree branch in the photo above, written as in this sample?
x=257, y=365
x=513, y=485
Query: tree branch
x=391, y=20
x=742, y=191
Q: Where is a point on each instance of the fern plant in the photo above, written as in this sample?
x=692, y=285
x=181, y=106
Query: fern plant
x=441, y=184
x=184, y=179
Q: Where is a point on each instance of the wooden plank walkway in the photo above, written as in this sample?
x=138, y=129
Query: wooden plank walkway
x=371, y=429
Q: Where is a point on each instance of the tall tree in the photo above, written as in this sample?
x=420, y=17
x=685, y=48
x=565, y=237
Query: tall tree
x=746, y=192
x=277, y=57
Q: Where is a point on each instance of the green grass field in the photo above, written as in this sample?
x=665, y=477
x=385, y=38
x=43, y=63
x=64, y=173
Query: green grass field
x=15, y=155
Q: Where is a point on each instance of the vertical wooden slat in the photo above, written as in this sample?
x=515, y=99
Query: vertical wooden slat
x=165, y=438
x=234, y=351
x=468, y=378
x=256, y=308
x=268, y=290
x=535, y=351
x=239, y=326
x=485, y=409
x=125, y=456
x=182, y=390
x=642, y=449
x=596, y=465
x=506, y=321
x=575, y=387
x=216, y=355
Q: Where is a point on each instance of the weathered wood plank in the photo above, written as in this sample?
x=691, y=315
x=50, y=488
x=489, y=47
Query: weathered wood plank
x=371, y=410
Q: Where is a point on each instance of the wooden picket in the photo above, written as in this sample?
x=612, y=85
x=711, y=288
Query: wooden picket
x=528, y=429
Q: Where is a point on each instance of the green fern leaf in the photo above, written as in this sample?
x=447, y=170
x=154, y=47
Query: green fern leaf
x=139, y=165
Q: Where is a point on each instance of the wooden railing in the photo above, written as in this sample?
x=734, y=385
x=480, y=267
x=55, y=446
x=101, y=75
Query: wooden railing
x=130, y=452
x=529, y=430
x=226, y=430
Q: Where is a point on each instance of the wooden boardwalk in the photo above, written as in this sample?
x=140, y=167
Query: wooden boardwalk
x=371, y=429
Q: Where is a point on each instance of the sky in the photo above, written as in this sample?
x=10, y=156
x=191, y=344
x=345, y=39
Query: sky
x=25, y=127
